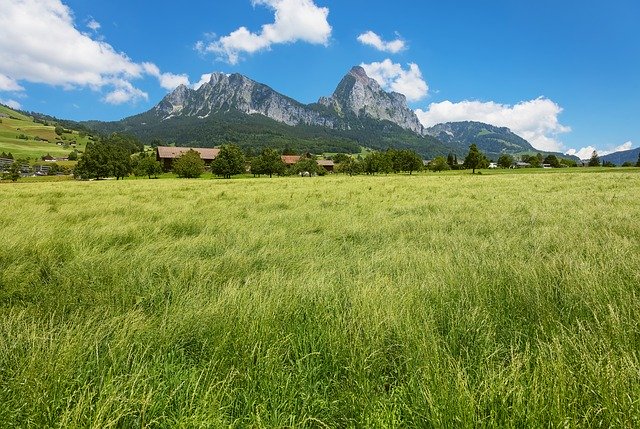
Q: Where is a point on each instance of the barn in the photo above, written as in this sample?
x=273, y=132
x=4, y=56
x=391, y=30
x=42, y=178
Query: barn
x=166, y=154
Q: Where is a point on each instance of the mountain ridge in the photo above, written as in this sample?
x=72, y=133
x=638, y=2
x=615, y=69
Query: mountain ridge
x=360, y=113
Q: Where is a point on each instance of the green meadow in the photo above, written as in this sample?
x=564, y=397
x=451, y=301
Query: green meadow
x=457, y=300
x=40, y=139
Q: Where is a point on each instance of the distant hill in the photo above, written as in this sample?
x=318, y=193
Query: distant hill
x=28, y=136
x=492, y=141
x=619, y=158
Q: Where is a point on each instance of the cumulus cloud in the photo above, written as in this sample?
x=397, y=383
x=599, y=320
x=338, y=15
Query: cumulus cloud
x=40, y=43
x=8, y=84
x=372, y=39
x=586, y=152
x=393, y=77
x=124, y=92
x=11, y=103
x=168, y=81
x=536, y=120
x=93, y=25
x=295, y=20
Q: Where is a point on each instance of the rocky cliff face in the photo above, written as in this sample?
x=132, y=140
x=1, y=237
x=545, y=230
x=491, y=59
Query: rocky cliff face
x=224, y=92
x=359, y=95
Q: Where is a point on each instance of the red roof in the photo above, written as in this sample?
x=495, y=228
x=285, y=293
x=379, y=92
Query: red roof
x=206, y=154
x=290, y=159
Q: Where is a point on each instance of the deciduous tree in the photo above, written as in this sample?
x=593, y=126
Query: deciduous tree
x=439, y=163
x=505, y=160
x=189, y=165
x=268, y=162
x=229, y=162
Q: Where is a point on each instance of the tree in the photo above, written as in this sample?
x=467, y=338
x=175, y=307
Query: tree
x=268, y=162
x=59, y=130
x=308, y=165
x=439, y=163
x=230, y=161
x=475, y=159
x=14, y=172
x=189, y=165
x=94, y=163
x=147, y=166
x=450, y=160
x=595, y=160
x=553, y=161
x=73, y=155
x=505, y=160
x=637, y=163
x=406, y=160
x=377, y=162
x=340, y=158
x=350, y=166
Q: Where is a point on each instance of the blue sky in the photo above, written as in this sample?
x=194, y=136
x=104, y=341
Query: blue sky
x=563, y=74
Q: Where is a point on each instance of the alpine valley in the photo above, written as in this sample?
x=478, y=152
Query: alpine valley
x=359, y=114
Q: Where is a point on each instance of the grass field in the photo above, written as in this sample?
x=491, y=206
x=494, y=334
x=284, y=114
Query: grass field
x=15, y=124
x=507, y=300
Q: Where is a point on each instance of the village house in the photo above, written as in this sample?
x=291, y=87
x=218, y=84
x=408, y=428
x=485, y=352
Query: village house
x=166, y=155
x=327, y=164
x=289, y=160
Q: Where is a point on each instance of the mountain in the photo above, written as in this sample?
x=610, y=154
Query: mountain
x=235, y=109
x=225, y=92
x=357, y=95
x=619, y=158
x=492, y=141
x=489, y=139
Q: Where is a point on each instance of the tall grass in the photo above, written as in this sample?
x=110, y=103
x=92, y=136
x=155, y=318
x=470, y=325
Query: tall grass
x=426, y=301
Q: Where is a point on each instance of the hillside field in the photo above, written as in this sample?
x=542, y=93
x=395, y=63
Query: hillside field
x=14, y=124
x=506, y=300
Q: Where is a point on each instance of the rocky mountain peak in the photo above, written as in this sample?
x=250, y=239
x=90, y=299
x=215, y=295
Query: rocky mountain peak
x=356, y=97
x=360, y=95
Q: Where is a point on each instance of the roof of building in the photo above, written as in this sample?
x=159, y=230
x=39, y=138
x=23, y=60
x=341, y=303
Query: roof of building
x=176, y=152
x=290, y=159
x=325, y=163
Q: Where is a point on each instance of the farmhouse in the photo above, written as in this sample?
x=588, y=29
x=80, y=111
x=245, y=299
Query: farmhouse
x=166, y=155
x=327, y=164
x=289, y=160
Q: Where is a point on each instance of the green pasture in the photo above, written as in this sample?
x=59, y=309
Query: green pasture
x=20, y=125
x=432, y=300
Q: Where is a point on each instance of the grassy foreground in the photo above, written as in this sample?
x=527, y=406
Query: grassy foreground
x=422, y=301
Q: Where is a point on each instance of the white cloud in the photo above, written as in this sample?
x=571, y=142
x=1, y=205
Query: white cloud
x=536, y=120
x=586, y=152
x=295, y=20
x=8, y=84
x=125, y=92
x=583, y=153
x=93, y=25
x=40, y=43
x=168, y=81
x=625, y=146
x=203, y=79
x=11, y=103
x=393, y=77
x=372, y=39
